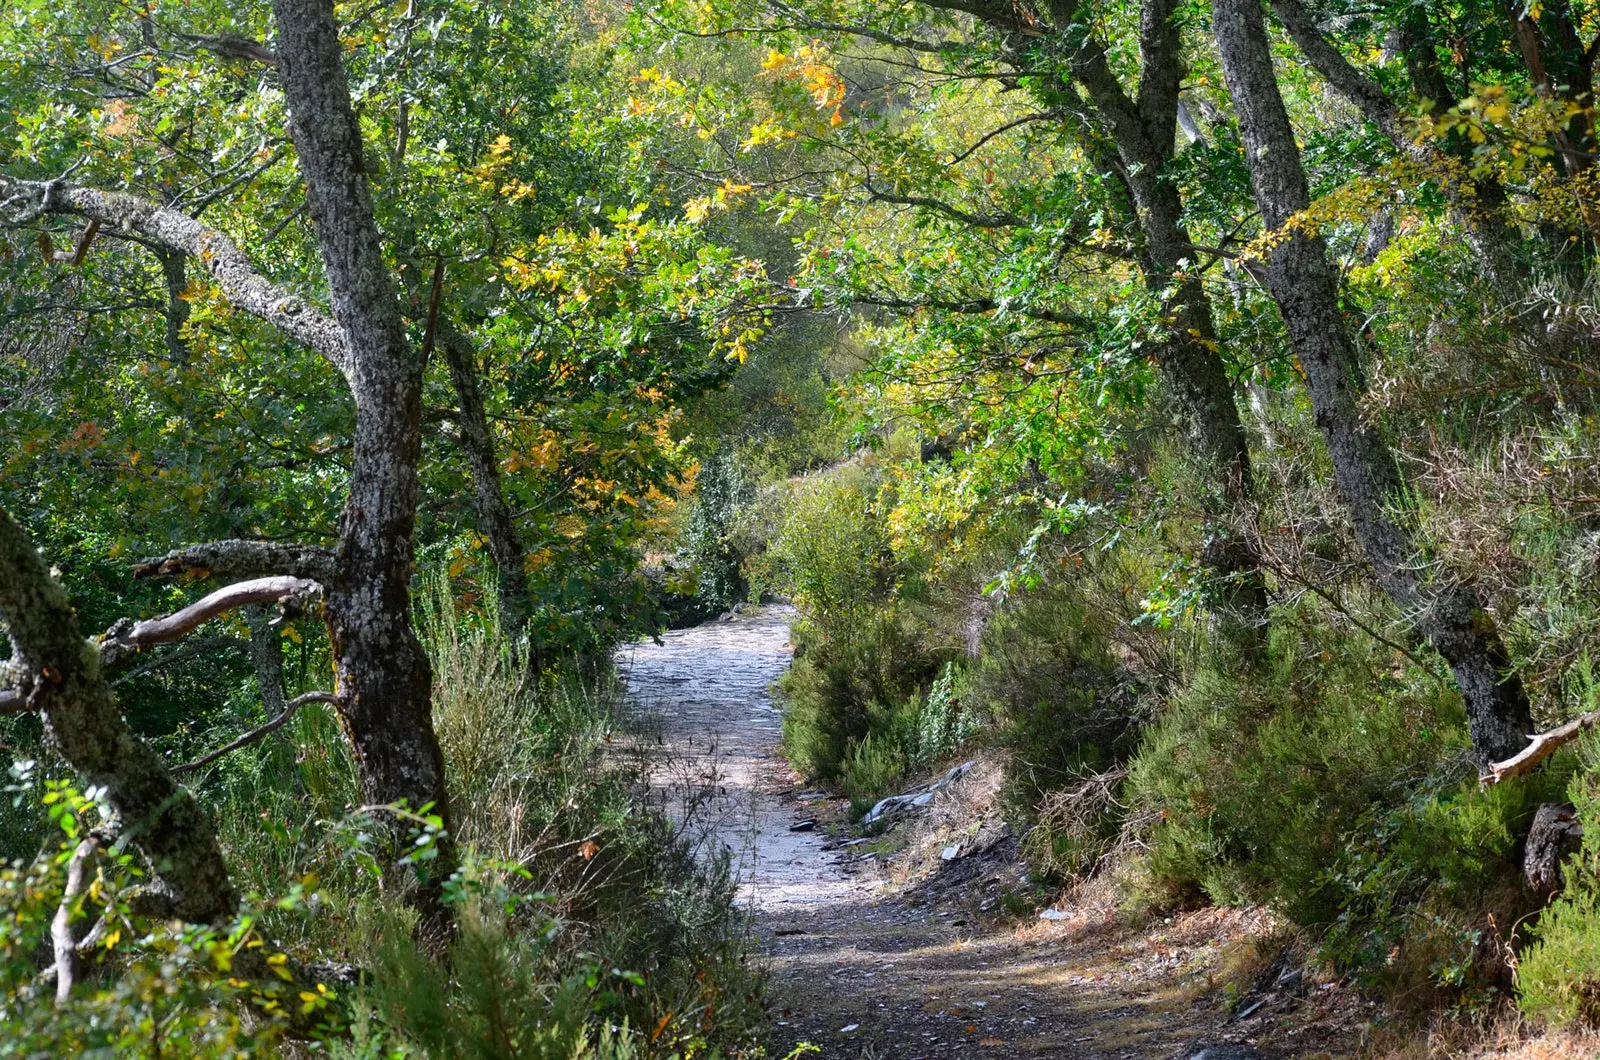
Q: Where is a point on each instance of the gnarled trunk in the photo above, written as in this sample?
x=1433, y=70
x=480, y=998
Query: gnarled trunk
x=1305, y=287
x=58, y=673
x=384, y=679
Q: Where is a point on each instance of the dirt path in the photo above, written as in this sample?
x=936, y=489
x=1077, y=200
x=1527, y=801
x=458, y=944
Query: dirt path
x=865, y=963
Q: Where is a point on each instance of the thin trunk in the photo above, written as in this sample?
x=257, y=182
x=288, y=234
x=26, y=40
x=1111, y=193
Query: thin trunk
x=177, y=312
x=1304, y=285
x=266, y=654
x=384, y=679
x=494, y=515
x=1144, y=130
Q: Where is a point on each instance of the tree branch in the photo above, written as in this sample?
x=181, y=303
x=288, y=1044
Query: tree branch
x=232, y=46
x=241, y=283
x=1542, y=746
x=126, y=637
x=991, y=220
x=256, y=733
x=243, y=559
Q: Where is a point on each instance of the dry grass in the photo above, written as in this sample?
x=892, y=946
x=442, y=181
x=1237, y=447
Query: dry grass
x=1508, y=1038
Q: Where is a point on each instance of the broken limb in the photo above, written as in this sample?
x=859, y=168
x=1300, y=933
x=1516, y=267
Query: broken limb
x=1541, y=746
x=126, y=636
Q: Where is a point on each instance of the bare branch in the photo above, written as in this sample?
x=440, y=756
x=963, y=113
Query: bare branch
x=242, y=284
x=256, y=733
x=243, y=559
x=1542, y=746
x=61, y=933
x=125, y=637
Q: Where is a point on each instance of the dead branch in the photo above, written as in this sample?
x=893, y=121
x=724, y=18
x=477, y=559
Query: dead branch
x=126, y=637
x=256, y=733
x=1541, y=746
x=62, y=937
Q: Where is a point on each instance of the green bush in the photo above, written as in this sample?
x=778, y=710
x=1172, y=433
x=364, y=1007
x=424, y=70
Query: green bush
x=875, y=763
x=1331, y=781
x=840, y=691
x=1558, y=978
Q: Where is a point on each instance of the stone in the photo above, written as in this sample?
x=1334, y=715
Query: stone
x=1225, y=1052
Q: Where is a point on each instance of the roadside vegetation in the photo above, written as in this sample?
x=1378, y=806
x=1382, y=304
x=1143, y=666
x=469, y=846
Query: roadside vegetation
x=1193, y=403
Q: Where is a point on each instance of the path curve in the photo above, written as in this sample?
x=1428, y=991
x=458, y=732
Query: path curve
x=706, y=692
x=866, y=971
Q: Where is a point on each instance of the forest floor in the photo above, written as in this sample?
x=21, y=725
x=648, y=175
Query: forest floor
x=927, y=941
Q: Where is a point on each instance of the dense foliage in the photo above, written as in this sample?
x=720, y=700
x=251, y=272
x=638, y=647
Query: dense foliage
x=1195, y=402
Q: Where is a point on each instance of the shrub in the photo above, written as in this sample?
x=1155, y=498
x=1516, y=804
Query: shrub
x=871, y=769
x=840, y=691
x=1331, y=781
x=1066, y=708
x=1558, y=979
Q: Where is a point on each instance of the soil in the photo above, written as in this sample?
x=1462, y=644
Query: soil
x=927, y=941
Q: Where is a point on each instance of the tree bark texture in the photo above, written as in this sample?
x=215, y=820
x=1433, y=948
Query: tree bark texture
x=58, y=673
x=1305, y=287
x=384, y=678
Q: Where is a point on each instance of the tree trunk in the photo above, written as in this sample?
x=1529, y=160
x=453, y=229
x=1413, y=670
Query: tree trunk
x=494, y=515
x=384, y=679
x=1144, y=130
x=58, y=673
x=1305, y=287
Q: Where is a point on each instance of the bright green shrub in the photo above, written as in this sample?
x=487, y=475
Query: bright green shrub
x=832, y=555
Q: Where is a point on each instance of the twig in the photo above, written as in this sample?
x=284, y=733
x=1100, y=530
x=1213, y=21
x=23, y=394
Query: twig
x=256, y=733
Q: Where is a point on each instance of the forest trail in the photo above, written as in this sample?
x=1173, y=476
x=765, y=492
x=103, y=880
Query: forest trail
x=865, y=968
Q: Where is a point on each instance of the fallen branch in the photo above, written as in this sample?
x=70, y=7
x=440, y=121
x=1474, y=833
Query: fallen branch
x=256, y=733
x=1541, y=746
